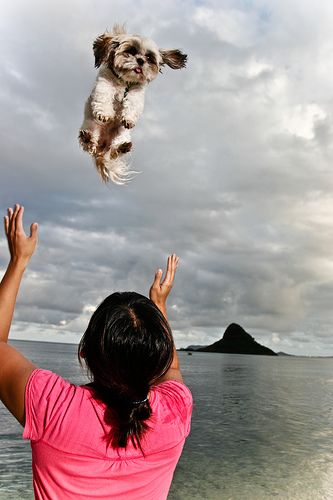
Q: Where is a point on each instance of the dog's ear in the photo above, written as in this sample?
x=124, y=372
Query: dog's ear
x=102, y=47
x=173, y=58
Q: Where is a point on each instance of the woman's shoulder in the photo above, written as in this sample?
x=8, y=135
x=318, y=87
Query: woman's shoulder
x=45, y=393
x=46, y=381
x=172, y=390
x=171, y=403
x=45, y=385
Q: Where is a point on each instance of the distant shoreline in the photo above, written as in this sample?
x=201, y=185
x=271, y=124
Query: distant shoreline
x=182, y=349
x=42, y=341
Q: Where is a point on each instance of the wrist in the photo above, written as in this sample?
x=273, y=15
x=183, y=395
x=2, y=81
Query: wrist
x=18, y=263
x=162, y=307
x=160, y=303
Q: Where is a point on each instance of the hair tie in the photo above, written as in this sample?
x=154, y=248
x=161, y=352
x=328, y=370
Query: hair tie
x=137, y=403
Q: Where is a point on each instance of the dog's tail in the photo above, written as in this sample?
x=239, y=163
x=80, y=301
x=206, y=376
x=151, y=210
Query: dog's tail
x=114, y=169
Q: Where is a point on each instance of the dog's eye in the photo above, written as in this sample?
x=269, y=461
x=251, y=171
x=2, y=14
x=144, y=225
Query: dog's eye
x=132, y=51
x=151, y=59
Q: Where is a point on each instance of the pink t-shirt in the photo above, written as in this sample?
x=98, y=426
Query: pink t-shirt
x=70, y=455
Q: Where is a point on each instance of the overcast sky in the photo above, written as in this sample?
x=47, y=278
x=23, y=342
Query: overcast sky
x=236, y=160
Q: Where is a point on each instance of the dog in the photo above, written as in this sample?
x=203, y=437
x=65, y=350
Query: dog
x=127, y=64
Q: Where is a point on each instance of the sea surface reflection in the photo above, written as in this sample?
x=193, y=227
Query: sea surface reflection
x=261, y=429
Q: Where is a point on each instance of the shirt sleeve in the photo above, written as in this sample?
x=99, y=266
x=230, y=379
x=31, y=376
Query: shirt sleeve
x=178, y=399
x=45, y=394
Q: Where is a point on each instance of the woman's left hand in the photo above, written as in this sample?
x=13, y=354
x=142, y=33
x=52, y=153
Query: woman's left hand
x=21, y=246
x=160, y=289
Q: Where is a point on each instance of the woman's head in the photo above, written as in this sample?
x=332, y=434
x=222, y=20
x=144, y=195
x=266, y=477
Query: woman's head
x=127, y=346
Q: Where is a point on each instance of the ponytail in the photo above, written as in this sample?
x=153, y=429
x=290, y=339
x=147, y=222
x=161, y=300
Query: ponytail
x=127, y=418
x=127, y=345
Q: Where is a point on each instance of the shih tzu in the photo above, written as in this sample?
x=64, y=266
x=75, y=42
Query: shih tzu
x=127, y=64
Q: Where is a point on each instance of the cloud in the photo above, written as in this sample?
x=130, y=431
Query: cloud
x=231, y=26
x=235, y=155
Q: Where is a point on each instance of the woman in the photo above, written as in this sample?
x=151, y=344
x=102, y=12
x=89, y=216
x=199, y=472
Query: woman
x=120, y=436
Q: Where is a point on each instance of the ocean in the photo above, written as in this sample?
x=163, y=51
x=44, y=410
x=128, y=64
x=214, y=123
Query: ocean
x=262, y=427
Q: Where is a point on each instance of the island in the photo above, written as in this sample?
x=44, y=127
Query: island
x=234, y=341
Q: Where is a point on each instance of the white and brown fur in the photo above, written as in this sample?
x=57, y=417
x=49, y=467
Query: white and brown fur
x=127, y=64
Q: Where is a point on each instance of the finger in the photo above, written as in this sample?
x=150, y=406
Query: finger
x=19, y=220
x=157, y=279
x=16, y=209
x=168, y=274
x=14, y=216
x=34, y=231
x=6, y=223
x=173, y=266
x=10, y=218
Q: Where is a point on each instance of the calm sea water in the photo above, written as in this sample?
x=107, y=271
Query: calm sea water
x=262, y=427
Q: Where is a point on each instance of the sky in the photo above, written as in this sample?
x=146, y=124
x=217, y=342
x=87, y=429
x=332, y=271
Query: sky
x=235, y=155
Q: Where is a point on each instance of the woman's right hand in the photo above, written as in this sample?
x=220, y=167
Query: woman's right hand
x=161, y=288
x=21, y=246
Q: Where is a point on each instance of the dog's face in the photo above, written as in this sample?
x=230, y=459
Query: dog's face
x=136, y=59
x=132, y=58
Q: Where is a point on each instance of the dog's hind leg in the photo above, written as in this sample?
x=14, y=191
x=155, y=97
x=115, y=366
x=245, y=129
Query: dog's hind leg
x=90, y=131
x=121, y=143
x=87, y=141
x=122, y=149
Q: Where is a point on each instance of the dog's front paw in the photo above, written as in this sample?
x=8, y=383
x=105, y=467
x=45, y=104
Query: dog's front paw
x=127, y=123
x=100, y=117
x=92, y=149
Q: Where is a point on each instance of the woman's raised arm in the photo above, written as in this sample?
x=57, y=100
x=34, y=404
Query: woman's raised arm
x=158, y=293
x=15, y=369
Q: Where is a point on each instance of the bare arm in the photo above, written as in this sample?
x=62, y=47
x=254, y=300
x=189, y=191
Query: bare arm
x=159, y=293
x=15, y=369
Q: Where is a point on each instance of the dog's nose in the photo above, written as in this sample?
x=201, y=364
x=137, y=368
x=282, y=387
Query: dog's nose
x=140, y=61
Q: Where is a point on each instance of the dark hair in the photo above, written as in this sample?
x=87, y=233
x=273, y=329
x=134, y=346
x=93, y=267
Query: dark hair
x=127, y=346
